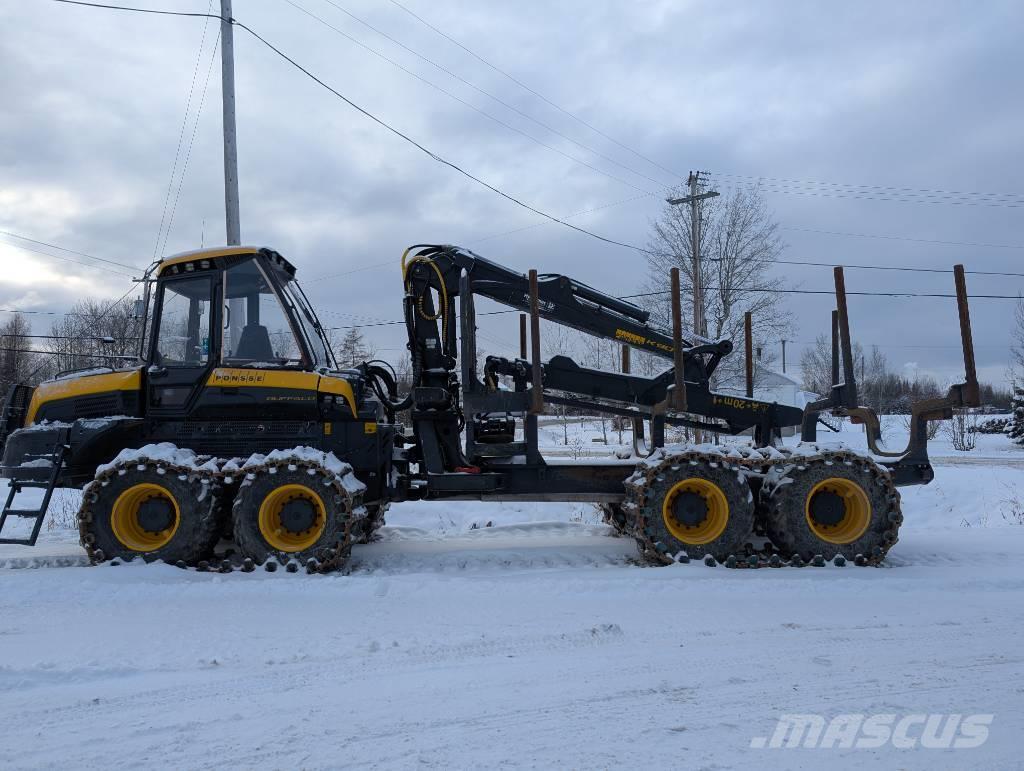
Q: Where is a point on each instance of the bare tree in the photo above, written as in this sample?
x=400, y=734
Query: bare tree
x=816, y=365
x=95, y=333
x=17, y=363
x=604, y=355
x=559, y=341
x=739, y=240
x=962, y=430
x=403, y=373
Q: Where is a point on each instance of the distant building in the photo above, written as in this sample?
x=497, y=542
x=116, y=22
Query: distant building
x=770, y=386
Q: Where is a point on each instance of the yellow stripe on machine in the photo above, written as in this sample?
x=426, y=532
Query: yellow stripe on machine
x=83, y=385
x=224, y=377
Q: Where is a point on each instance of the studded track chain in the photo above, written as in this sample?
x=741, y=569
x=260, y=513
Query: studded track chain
x=772, y=464
x=211, y=472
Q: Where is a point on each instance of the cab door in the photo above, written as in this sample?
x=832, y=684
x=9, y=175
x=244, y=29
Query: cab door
x=182, y=352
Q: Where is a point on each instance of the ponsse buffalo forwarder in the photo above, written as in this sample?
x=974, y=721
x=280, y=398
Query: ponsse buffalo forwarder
x=237, y=440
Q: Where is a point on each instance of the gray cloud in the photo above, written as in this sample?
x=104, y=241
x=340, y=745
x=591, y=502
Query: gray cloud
x=921, y=95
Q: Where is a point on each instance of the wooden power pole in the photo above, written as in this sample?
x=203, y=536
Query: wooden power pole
x=694, y=199
x=231, y=215
x=227, y=71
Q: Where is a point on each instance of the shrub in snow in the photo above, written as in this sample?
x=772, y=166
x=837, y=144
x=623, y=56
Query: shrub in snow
x=994, y=426
x=962, y=430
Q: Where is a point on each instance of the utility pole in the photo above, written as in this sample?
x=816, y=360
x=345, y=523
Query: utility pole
x=783, y=357
x=237, y=307
x=227, y=70
x=694, y=199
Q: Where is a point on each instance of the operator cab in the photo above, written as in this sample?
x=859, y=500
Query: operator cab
x=234, y=307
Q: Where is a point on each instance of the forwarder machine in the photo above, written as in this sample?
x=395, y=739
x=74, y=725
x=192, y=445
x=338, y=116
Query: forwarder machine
x=237, y=441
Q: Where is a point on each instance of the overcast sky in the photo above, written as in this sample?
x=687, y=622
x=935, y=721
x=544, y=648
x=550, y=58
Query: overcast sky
x=883, y=96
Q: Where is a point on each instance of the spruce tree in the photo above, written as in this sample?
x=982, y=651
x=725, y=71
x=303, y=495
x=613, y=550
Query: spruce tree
x=1015, y=429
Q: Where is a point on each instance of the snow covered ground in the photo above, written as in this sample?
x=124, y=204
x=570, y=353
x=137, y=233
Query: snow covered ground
x=536, y=641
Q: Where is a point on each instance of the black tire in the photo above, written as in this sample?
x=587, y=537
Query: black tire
x=195, y=498
x=613, y=516
x=334, y=538
x=786, y=505
x=225, y=501
x=739, y=522
x=366, y=529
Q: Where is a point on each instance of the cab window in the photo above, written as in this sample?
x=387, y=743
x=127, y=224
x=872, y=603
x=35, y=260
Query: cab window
x=183, y=339
x=257, y=331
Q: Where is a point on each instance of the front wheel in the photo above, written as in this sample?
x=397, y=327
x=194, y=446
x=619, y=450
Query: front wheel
x=697, y=507
x=143, y=510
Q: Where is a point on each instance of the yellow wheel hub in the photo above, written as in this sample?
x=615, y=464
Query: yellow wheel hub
x=715, y=509
x=853, y=515
x=275, y=528
x=128, y=525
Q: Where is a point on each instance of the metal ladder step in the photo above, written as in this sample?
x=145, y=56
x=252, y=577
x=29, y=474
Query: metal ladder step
x=29, y=483
x=38, y=514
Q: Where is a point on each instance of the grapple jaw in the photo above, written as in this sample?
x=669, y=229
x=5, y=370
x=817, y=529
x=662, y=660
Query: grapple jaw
x=910, y=465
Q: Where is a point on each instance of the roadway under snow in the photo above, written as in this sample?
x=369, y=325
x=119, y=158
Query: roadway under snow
x=537, y=641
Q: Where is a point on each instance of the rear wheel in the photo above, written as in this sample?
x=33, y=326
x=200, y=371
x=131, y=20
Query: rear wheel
x=299, y=512
x=155, y=514
x=613, y=515
x=699, y=507
x=835, y=506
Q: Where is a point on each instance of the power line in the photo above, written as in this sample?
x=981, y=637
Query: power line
x=71, y=355
x=38, y=313
x=509, y=197
x=181, y=133
x=914, y=347
x=103, y=339
x=420, y=147
x=34, y=312
x=369, y=115
x=564, y=216
x=770, y=187
x=771, y=290
x=390, y=128
x=393, y=323
x=898, y=268
x=1015, y=198
x=540, y=96
x=68, y=259
x=140, y=10
x=781, y=227
x=775, y=290
x=191, y=142
x=69, y=251
x=905, y=238
x=354, y=270
x=488, y=94
x=462, y=101
x=927, y=192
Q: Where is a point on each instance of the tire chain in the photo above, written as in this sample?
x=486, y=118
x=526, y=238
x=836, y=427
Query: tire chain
x=773, y=464
x=333, y=559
